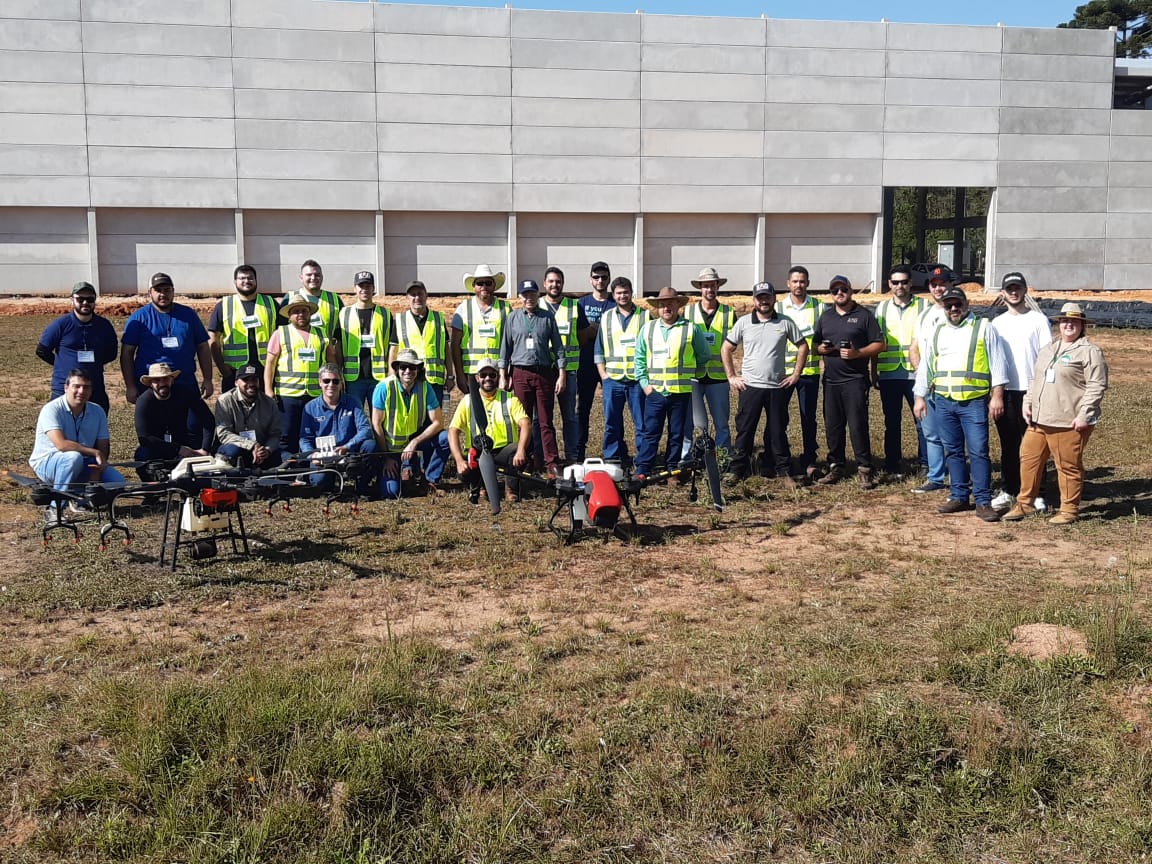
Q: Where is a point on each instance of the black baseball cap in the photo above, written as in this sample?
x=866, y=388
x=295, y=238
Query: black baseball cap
x=160, y=280
x=942, y=273
x=953, y=294
x=1014, y=279
x=763, y=288
x=598, y=266
x=247, y=372
x=839, y=280
x=83, y=286
x=364, y=276
x=415, y=283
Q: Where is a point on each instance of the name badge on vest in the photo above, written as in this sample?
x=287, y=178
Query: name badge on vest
x=170, y=342
x=711, y=337
x=488, y=331
x=250, y=322
x=317, y=320
x=659, y=353
x=565, y=327
x=627, y=340
x=367, y=340
x=85, y=356
x=307, y=355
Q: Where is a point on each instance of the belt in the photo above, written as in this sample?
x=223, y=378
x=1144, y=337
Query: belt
x=539, y=370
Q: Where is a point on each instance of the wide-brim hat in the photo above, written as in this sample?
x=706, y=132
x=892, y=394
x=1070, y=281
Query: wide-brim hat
x=297, y=302
x=708, y=274
x=157, y=371
x=666, y=294
x=1072, y=312
x=483, y=271
x=407, y=357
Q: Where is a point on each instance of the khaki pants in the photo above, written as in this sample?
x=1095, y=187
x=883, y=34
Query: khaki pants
x=1066, y=447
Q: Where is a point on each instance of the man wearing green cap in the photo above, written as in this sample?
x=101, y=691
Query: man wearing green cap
x=80, y=340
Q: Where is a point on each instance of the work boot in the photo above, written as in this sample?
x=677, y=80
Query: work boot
x=1019, y=512
x=954, y=505
x=985, y=512
x=1063, y=518
x=867, y=480
x=834, y=475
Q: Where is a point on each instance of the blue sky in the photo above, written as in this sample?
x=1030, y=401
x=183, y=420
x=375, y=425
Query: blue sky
x=1021, y=13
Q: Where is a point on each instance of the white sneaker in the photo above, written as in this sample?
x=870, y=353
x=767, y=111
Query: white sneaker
x=1003, y=501
x=1041, y=505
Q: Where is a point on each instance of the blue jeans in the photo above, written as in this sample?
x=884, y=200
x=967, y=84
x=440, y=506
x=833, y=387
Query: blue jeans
x=587, y=380
x=68, y=472
x=933, y=445
x=434, y=455
x=617, y=394
x=291, y=414
x=361, y=390
x=326, y=480
x=676, y=408
x=711, y=398
x=241, y=457
x=807, y=391
x=964, y=426
x=895, y=393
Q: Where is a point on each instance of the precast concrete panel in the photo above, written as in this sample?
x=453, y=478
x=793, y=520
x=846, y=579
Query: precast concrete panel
x=151, y=69
x=444, y=50
x=611, y=27
x=928, y=121
x=942, y=92
x=43, y=159
x=350, y=135
x=1129, y=200
x=1118, y=250
x=405, y=195
x=262, y=43
x=439, y=249
x=1045, y=121
x=938, y=172
x=781, y=32
x=826, y=245
x=1123, y=175
x=832, y=89
x=1061, y=148
x=36, y=35
x=832, y=117
x=573, y=243
x=700, y=115
x=306, y=165
x=1130, y=148
x=41, y=191
x=1130, y=226
x=589, y=116
x=302, y=15
x=1042, y=249
x=47, y=67
x=537, y=197
x=214, y=12
x=67, y=10
x=576, y=84
x=1048, y=67
x=1071, y=226
x=444, y=138
x=678, y=246
x=832, y=170
x=850, y=62
x=425, y=108
x=173, y=132
x=50, y=129
x=303, y=75
x=316, y=194
x=189, y=192
x=821, y=199
x=310, y=105
x=43, y=250
x=703, y=142
x=713, y=59
x=1058, y=199
x=1059, y=277
x=147, y=161
x=561, y=141
x=101, y=37
x=569, y=54
x=577, y=170
x=1052, y=173
x=945, y=37
x=35, y=98
x=1125, y=277
x=951, y=145
x=699, y=30
x=460, y=80
x=843, y=145
x=278, y=243
x=701, y=171
x=1131, y=122
x=1029, y=40
x=448, y=20
x=953, y=65
x=678, y=198
x=1048, y=94
x=700, y=86
x=157, y=101
x=445, y=168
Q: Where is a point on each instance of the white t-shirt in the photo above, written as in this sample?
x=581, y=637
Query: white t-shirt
x=1022, y=337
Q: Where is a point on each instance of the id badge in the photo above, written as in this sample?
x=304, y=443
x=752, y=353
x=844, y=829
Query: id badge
x=660, y=354
x=167, y=437
x=711, y=337
x=317, y=320
x=170, y=342
x=529, y=343
x=367, y=340
x=306, y=355
x=627, y=340
x=1050, y=375
x=248, y=434
x=565, y=328
x=250, y=322
x=488, y=331
x=327, y=443
x=85, y=356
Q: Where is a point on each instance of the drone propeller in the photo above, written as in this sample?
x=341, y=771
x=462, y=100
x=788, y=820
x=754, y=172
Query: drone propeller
x=706, y=446
x=482, y=441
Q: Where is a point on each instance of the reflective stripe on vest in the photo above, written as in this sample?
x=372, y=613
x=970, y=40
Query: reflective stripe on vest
x=296, y=375
x=567, y=316
x=403, y=418
x=804, y=318
x=619, y=343
x=475, y=346
x=501, y=429
x=430, y=344
x=671, y=356
x=899, y=328
x=234, y=336
x=721, y=323
x=350, y=340
x=962, y=376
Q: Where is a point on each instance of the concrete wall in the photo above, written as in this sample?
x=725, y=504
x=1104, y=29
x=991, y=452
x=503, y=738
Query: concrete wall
x=268, y=114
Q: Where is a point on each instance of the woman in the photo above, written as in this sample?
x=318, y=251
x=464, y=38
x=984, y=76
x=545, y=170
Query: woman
x=1061, y=407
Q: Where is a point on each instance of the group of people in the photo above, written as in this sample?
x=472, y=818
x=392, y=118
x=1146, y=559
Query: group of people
x=313, y=375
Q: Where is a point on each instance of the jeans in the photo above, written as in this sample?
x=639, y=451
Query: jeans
x=895, y=393
x=846, y=408
x=807, y=394
x=361, y=390
x=617, y=394
x=711, y=398
x=473, y=479
x=587, y=380
x=326, y=480
x=241, y=457
x=291, y=414
x=676, y=408
x=964, y=426
x=933, y=445
x=569, y=422
x=434, y=454
x=777, y=456
x=68, y=472
x=1011, y=428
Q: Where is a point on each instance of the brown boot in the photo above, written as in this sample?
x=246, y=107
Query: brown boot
x=867, y=480
x=1063, y=518
x=1018, y=512
x=834, y=475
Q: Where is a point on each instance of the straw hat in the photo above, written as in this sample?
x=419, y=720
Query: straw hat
x=708, y=274
x=157, y=371
x=407, y=357
x=1073, y=312
x=665, y=294
x=297, y=302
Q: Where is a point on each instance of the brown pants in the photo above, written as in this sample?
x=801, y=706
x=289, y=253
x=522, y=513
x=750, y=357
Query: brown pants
x=1066, y=447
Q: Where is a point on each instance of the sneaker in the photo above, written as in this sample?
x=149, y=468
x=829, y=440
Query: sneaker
x=954, y=505
x=1019, y=512
x=930, y=486
x=1002, y=502
x=474, y=496
x=987, y=513
x=79, y=508
x=1062, y=518
x=1041, y=505
x=51, y=515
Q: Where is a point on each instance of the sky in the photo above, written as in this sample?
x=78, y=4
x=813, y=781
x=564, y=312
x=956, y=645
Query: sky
x=1019, y=13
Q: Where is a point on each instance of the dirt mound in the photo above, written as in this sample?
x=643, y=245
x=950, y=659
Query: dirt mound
x=1044, y=641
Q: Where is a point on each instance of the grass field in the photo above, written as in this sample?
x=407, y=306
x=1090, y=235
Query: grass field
x=825, y=675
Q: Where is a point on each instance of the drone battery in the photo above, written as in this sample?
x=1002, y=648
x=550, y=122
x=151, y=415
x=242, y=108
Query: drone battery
x=603, y=499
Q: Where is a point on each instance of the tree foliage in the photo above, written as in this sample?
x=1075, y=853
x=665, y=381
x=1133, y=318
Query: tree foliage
x=1131, y=18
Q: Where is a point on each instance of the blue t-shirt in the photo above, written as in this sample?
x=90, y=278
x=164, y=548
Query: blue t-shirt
x=67, y=336
x=593, y=310
x=149, y=329
x=91, y=426
x=381, y=391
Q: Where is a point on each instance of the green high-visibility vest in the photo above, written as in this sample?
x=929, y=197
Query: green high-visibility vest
x=481, y=333
x=715, y=332
x=671, y=356
x=619, y=342
x=899, y=328
x=352, y=340
x=298, y=366
x=236, y=326
x=961, y=375
x=567, y=316
x=805, y=319
x=403, y=416
x=430, y=344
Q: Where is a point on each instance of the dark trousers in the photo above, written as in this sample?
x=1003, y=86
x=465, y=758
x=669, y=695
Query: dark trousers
x=537, y=393
x=676, y=408
x=291, y=413
x=1011, y=428
x=894, y=395
x=241, y=457
x=807, y=391
x=753, y=402
x=587, y=380
x=473, y=480
x=846, y=407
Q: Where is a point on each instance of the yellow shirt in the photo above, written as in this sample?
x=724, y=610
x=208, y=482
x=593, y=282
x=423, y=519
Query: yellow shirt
x=505, y=414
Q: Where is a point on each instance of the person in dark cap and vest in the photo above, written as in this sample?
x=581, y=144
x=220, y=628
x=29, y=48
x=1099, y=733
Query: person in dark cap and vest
x=425, y=331
x=367, y=335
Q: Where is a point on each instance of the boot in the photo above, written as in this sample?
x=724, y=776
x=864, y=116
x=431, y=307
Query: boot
x=834, y=475
x=1018, y=512
x=867, y=480
x=1063, y=518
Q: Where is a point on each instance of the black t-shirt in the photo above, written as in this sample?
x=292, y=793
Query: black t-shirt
x=858, y=327
x=365, y=316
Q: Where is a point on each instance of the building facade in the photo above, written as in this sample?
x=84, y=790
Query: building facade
x=418, y=141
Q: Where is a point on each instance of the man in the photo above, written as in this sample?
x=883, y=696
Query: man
x=292, y=370
x=328, y=305
x=341, y=419
x=574, y=330
x=1023, y=332
x=847, y=337
x=894, y=370
x=803, y=310
x=710, y=395
x=82, y=340
x=508, y=427
x=366, y=337
x=248, y=423
x=407, y=419
x=764, y=382
x=963, y=366
x=530, y=353
x=478, y=324
x=593, y=306
x=939, y=281
x=615, y=357
x=165, y=331
x=670, y=354
x=240, y=326
x=424, y=331
x=161, y=426
x=72, y=440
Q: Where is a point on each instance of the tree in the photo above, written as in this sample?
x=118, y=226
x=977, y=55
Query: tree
x=1131, y=18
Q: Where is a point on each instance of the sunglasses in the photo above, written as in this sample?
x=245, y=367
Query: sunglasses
x=483, y=283
x=840, y=289
x=955, y=305
x=329, y=381
x=898, y=281
x=487, y=374
x=404, y=367
x=599, y=277
x=84, y=299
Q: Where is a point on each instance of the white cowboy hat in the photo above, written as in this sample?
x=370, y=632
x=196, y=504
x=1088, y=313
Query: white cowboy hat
x=483, y=271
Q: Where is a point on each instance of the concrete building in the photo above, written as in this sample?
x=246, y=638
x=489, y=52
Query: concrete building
x=417, y=141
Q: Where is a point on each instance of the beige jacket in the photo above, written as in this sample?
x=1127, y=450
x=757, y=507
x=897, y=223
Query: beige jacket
x=1067, y=385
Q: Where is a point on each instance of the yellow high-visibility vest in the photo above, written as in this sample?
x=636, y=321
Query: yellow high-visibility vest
x=619, y=342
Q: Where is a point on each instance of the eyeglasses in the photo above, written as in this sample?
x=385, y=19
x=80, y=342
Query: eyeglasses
x=327, y=381
x=898, y=281
x=484, y=283
x=487, y=375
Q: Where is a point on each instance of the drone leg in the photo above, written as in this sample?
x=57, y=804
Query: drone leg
x=562, y=535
